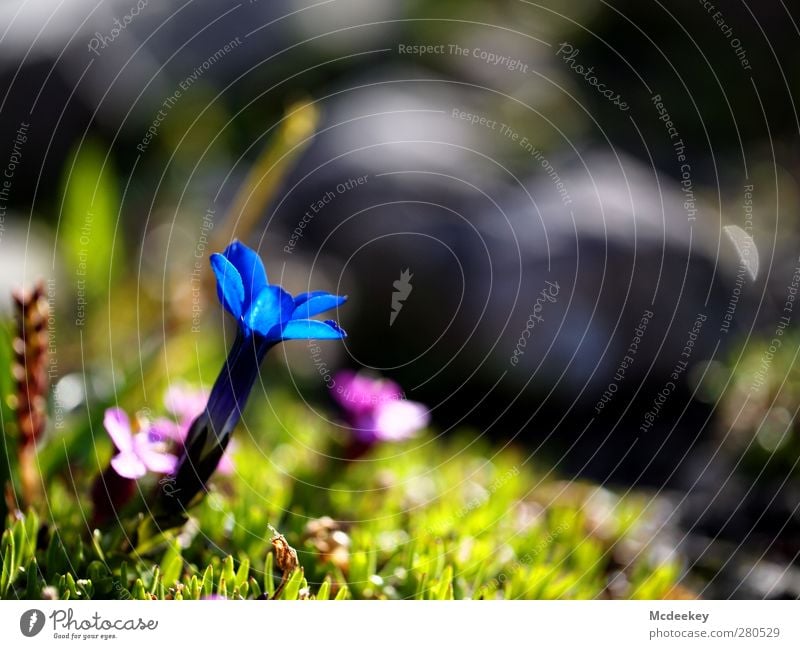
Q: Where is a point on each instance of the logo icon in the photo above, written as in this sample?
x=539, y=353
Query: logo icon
x=402, y=289
x=31, y=622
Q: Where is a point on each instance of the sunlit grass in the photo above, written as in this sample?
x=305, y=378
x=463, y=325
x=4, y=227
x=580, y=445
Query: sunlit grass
x=430, y=518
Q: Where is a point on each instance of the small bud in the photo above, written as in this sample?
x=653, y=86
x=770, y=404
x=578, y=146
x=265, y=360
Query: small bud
x=285, y=554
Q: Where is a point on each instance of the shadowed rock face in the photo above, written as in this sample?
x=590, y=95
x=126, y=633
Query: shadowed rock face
x=528, y=296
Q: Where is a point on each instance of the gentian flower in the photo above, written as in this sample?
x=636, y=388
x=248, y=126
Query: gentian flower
x=266, y=315
x=138, y=452
x=267, y=311
x=376, y=409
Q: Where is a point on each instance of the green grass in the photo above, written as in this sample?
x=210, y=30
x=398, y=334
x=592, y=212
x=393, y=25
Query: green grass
x=432, y=518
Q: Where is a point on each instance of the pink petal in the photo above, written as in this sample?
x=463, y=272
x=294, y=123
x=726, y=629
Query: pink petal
x=226, y=466
x=166, y=429
x=128, y=465
x=159, y=462
x=360, y=393
x=118, y=427
x=184, y=402
x=398, y=420
x=153, y=454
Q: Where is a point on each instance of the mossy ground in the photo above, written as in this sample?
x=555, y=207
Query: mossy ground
x=432, y=518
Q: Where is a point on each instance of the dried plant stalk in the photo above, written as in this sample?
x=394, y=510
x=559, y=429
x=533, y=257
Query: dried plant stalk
x=31, y=381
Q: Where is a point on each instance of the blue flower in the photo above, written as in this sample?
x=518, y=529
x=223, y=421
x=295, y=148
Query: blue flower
x=266, y=310
x=266, y=315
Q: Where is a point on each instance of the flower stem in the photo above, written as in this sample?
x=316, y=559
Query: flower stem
x=210, y=432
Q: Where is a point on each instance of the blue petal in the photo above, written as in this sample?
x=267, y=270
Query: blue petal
x=300, y=298
x=312, y=329
x=317, y=304
x=271, y=307
x=229, y=285
x=250, y=267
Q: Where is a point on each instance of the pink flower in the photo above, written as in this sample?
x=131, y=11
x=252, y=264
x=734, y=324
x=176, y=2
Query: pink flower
x=138, y=452
x=186, y=404
x=376, y=408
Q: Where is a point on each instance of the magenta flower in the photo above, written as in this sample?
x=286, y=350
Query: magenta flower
x=376, y=409
x=138, y=452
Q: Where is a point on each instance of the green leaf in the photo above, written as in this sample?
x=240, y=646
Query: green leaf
x=88, y=221
x=8, y=571
x=359, y=568
x=123, y=574
x=445, y=587
x=207, y=585
x=138, y=591
x=227, y=570
x=293, y=585
x=194, y=588
x=97, y=538
x=255, y=589
x=324, y=591
x=35, y=583
x=269, y=577
x=171, y=564
x=156, y=579
x=243, y=573
x=57, y=558
x=71, y=586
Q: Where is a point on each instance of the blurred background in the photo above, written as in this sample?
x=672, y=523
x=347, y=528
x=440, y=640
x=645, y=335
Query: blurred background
x=568, y=226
